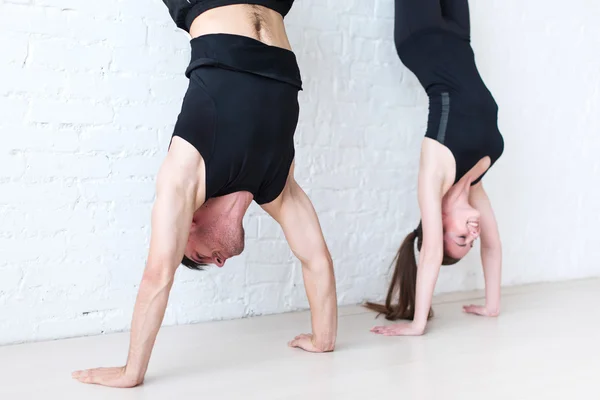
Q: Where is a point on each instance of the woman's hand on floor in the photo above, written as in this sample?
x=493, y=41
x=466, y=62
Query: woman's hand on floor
x=483, y=311
x=112, y=377
x=405, y=329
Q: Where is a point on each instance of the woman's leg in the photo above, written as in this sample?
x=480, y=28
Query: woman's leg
x=457, y=12
x=414, y=15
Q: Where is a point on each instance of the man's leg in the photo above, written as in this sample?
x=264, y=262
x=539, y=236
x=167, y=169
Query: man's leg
x=457, y=12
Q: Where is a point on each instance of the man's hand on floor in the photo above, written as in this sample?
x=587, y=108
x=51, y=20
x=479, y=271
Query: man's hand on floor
x=112, y=377
x=306, y=342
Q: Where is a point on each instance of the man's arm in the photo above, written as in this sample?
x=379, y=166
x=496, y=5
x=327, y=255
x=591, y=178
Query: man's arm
x=293, y=210
x=491, y=254
x=176, y=201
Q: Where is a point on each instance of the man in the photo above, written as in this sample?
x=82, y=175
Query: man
x=232, y=144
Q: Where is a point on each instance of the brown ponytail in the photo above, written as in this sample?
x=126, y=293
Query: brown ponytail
x=404, y=280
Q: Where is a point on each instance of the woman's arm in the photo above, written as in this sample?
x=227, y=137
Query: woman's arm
x=431, y=182
x=434, y=182
x=491, y=253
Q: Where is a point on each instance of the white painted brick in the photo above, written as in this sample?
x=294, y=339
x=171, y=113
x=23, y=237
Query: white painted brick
x=270, y=229
x=124, y=275
x=106, y=242
x=258, y=274
x=384, y=9
x=55, y=194
x=170, y=89
x=12, y=166
x=169, y=37
x=268, y=252
x=201, y=293
x=109, y=8
x=369, y=75
x=165, y=134
x=129, y=87
x=264, y=299
x=107, y=139
x=403, y=100
x=13, y=110
x=297, y=298
x=11, y=278
x=132, y=215
x=137, y=165
x=128, y=33
x=330, y=43
x=353, y=7
x=77, y=273
x=26, y=19
x=31, y=248
x=385, y=53
x=320, y=17
x=365, y=27
x=65, y=54
x=14, y=48
x=72, y=112
x=359, y=49
x=63, y=327
x=151, y=61
x=106, y=191
x=12, y=219
x=35, y=138
x=231, y=280
x=82, y=218
x=111, y=87
x=154, y=11
x=32, y=81
x=154, y=115
x=251, y=227
x=226, y=310
x=68, y=165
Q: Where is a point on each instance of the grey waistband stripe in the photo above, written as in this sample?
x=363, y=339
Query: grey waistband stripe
x=441, y=136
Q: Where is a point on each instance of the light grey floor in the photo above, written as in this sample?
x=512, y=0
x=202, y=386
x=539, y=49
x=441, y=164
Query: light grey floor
x=545, y=345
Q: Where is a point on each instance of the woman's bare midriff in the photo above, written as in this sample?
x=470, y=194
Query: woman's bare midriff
x=256, y=22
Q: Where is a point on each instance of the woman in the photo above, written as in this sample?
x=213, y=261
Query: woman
x=462, y=142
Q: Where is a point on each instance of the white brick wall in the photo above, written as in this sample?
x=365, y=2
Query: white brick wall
x=90, y=90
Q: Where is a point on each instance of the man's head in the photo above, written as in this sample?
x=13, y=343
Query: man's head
x=216, y=234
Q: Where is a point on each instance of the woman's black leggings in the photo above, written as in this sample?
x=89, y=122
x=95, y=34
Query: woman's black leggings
x=415, y=15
